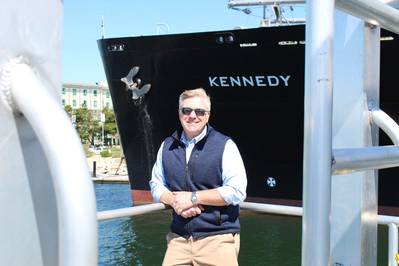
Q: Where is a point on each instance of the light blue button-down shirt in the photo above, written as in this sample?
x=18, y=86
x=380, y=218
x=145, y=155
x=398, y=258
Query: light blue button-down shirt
x=234, y=177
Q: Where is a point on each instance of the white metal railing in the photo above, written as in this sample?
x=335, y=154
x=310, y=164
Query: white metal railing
x=131, y=211
x=393, y=244
x=372, y=11
x=360, y=159
x=318, y=117
x=386, y=123
x=317, y=146
x=28, y=95
x=391, y=221
x=318, y=152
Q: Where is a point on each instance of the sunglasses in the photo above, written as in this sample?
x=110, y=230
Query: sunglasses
x=188, y=110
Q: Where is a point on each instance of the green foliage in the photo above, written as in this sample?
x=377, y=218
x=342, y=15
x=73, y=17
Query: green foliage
x=86, y=126
x=106, y=153
x=116, y=152
x=68, y=110
x=110, y=124
x=88, y=153
x=89, y=127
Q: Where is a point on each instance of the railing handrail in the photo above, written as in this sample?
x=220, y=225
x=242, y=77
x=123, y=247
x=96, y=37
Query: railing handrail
x=350, y=160
x=377, y=157
x=372, y=11
x=386, y=124
x=392, y=244
x=250, y=206
x=130, y=211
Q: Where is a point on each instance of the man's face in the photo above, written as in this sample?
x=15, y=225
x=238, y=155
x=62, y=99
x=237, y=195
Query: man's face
x=193, y=122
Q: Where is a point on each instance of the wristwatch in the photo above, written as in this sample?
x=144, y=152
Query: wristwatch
x=194, y=198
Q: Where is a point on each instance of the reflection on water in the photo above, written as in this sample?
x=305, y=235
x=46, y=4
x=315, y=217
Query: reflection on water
x=265, y=239
x=270, y=240
x=129, y=241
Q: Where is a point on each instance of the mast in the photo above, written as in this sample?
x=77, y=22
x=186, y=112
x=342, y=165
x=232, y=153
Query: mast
x=102, y=27
x=275, y=6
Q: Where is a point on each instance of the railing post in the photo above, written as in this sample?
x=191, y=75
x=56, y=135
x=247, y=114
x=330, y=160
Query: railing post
x=317, y=133
x=94, y=169
x=354, y=195
x=393, y=244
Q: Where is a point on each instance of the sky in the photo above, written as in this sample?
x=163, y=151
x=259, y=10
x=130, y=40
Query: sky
x=124, y=18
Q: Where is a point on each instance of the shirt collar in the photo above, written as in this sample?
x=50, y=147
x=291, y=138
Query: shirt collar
x=184, y=139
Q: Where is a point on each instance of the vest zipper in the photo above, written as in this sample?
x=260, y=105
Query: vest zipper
x=187, y=178
x=188, y=188
x=189, y=226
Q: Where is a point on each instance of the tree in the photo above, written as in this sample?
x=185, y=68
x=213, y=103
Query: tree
x=87, y=127
x=110, y=124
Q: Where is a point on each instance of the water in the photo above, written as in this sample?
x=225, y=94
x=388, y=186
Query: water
x=140, y=240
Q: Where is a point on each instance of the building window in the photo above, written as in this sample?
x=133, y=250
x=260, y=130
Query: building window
x=74, y=103
x=63, y=101
x=95, y=92
x=107, y=104
x=84, y=92
x=84, y=104
x=107, y=94
x=74, y=91
x=95, y=104
x=63, y=90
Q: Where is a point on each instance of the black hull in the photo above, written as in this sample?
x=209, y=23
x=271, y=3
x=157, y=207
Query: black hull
x=256, y=84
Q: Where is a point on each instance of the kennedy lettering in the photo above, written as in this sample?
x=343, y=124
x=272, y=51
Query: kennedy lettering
x=249, y=81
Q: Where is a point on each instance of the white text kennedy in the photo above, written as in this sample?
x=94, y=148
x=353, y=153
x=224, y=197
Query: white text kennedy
x=249, y=81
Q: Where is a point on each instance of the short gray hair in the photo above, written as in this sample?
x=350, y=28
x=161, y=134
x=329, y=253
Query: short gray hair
x=199, y=92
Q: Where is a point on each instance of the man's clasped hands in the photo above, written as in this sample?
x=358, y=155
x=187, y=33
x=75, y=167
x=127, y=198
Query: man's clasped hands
x=181, y=203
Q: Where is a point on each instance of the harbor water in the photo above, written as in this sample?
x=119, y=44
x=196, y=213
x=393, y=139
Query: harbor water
x=265, y=239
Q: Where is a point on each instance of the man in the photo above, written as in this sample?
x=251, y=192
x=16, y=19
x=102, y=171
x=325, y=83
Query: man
x=199, y=172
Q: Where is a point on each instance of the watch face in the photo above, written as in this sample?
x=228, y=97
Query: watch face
x=194, y=198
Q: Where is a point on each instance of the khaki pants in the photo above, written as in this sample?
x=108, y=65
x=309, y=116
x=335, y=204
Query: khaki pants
x=212, y=250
